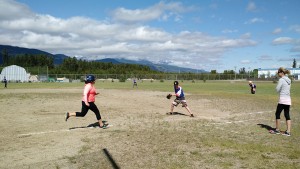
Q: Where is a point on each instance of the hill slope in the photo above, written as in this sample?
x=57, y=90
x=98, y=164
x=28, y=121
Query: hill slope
x=58, y=59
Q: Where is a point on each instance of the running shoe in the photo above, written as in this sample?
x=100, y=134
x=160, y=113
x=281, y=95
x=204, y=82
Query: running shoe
x=275, y=131
x=286, y=133
x=105, y=126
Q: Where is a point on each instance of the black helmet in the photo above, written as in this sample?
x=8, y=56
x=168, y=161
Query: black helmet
x=90, y=78
x=176, y=83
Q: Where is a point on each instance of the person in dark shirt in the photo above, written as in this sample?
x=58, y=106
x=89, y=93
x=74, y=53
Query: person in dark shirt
x=180, y=99
x=5, y=82
x=253, y=87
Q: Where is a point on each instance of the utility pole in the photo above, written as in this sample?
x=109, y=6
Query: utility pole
x=249, y=71
x=234, y=72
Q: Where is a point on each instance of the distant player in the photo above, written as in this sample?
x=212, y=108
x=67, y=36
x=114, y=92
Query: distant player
x=180, y=99
x=5, y=82
x=134, y=83
x=253, y=87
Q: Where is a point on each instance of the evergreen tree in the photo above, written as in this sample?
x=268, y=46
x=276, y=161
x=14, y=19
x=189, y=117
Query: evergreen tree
x=5, y=57
x=294, y=63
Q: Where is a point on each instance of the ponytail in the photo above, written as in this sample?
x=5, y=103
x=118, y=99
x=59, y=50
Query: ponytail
x=284, y=71
x=287, y=71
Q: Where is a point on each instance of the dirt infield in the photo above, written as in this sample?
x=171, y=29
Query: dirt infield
x=35, y=135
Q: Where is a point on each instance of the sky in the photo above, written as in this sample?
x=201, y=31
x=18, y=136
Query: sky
x=200, y=34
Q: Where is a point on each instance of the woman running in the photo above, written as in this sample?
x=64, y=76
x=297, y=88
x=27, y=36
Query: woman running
x=88, y=102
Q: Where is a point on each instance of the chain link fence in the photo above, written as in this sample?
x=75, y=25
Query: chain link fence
x=123, y=77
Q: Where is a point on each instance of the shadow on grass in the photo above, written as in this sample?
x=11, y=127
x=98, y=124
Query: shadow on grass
x=110, y=158
x=93, y=125
x=177, y=113
x=267, y=127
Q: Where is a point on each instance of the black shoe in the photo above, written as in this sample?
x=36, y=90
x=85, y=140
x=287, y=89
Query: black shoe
x=286, y=133
x=67, y=116
x=275, y=131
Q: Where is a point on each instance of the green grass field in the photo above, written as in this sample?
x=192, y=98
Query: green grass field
x=237, y=89
x=239, y=141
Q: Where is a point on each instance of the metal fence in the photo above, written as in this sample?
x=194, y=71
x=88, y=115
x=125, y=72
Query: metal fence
x=181, y=76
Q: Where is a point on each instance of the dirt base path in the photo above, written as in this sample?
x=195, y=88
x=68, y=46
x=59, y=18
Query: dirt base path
x=35, y=135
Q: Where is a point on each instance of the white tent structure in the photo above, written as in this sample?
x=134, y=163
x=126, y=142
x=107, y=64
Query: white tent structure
x=33, y=78
x=14, y=73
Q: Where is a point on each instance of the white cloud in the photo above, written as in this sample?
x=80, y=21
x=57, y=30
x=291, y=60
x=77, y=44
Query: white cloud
x=282, y=40
x=94, y=39
x=255, y=20
x=251, y=7
x=246, y=35
x=13, y=10
x=229, y=31
x=277, y=31
x=296, y=47
x=295, y=43
x=265, y=58
x=245, y=61
x=159, y=11
x=295, y=28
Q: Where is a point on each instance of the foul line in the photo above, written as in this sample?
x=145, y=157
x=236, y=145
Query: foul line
x=56, y=131
x=260, y=112
x=231, y=122
x=240, y=121
x=43, y=132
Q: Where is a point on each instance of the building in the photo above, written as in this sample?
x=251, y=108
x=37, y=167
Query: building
x=63, y=79
x=269, y=73
x=14, y=73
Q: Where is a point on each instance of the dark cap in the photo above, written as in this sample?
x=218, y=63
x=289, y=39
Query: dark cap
x=176, y=83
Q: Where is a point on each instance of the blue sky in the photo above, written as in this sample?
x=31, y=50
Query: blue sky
x=208, y=34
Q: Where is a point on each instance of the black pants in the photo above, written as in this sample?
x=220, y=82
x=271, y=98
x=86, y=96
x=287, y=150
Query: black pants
x=85, y=109
x=286, y=109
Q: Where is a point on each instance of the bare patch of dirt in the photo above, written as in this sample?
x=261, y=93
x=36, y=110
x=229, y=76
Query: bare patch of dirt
x=35, y=134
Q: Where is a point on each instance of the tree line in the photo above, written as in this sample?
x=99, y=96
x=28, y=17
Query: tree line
x=78, y=66
x=71, y=65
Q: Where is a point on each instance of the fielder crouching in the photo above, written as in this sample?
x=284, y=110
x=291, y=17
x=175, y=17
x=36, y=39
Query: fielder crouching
x=180, y=99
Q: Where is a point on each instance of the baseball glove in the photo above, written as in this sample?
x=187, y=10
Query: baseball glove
x=169, y=96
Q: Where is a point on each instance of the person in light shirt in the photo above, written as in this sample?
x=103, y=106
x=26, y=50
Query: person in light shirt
x=88, y=102
x=283, y=88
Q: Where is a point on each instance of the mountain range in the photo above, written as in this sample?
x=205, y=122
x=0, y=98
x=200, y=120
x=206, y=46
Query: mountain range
x=58, y=59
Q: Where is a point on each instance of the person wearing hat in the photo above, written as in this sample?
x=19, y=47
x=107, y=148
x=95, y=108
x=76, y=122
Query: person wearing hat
x=253, y=87
x=180, y=99
x=88, y=102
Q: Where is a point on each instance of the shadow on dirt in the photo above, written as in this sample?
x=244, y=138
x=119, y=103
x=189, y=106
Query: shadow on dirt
x=267, y=127
x=177, y=113
x=93, y=125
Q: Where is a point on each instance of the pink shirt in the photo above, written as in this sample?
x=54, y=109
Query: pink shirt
x=89, y=93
